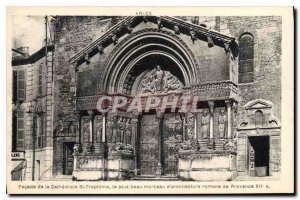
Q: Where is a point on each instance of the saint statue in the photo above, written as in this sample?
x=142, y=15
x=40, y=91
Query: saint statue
x=222, y=123
x=127, y=135
x=205, y=124
x=158, y=81
x=86, y=131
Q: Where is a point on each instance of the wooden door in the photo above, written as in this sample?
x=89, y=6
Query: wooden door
x=172, y=137
x=68, y=158
x=149, y=145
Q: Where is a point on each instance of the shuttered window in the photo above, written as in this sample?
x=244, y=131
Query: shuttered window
x=20, y=130
x=246, y=55
x=21, y=85
x=14, y=84
x=40, y=80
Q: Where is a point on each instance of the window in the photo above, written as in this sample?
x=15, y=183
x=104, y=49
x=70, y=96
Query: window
x=14, y=84
x=21, y=85
x=20, y=131
x=40, y=132
x=40, y=83
x=246, y=55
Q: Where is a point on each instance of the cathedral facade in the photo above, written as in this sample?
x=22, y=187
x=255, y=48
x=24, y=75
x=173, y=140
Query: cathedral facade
x=166, y=98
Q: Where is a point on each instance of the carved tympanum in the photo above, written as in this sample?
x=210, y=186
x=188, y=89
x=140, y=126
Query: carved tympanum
x=159, y=81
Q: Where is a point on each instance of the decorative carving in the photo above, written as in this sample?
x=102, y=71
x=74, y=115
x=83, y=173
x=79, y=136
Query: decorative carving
x=169, y=20
x=211, y=105
x=98, y=128
x=222, y=123
x=120, y=129
x=128, y=27
x=193, y=35
x=160, y=81
x=111, y=129
x=116, y=50
x=145, y=19
x=127, y=135
x=176, y=29
x=87, y=58
x=210, y=42
x=159, y=23
x=100, y=48
x=85, y=129
x=205, y=124
x=230, y=145
x=190, y=123
x=114, y=38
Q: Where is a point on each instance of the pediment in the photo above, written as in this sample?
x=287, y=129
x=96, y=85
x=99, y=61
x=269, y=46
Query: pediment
x=258, y=104
x=177, y=26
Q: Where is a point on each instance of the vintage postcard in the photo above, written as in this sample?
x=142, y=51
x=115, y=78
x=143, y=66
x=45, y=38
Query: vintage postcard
x=150, y=100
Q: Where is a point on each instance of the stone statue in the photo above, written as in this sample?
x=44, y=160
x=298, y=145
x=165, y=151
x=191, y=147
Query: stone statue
x=222, y=123
x=120, y=130
x=190, y=128
x=127, y=135
x=86, y=131
x=158, y=81
x=111, y=133
x=205, y=124
x=230, y=145
x=98, y=129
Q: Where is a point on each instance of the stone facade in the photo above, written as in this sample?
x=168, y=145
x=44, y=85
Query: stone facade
x=36, y=98
x=96, y=56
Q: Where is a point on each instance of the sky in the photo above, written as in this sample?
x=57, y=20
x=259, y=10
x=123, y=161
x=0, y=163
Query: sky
x=28, y=31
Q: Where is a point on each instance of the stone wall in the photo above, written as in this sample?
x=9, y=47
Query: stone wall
x=267, y=33
x=71, y=35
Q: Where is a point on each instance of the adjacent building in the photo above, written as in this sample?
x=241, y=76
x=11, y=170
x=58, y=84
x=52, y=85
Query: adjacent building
x=32, y=114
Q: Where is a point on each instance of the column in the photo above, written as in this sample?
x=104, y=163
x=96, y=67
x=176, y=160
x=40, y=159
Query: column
x=211, y=105
x=103, y=140
x=97, y=127
x=91, y=136
x=103, y=128
x=229, y=119
x=160, y=167
x=135, y=140
x=195, y=126
x=91, y=115
x=78, y=132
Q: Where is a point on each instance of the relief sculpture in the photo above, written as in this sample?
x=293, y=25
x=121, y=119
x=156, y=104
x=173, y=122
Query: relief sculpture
x=222, y=123
x=86, y=130
x=159, y=81
x=127, y=135
x=205, y=124
x=98, y=128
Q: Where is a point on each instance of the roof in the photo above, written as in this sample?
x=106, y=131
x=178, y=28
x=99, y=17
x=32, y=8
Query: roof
x=34, y=57
x=127, y=23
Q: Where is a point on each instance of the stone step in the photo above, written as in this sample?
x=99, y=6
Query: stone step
x=154, y=178
x=62, y=178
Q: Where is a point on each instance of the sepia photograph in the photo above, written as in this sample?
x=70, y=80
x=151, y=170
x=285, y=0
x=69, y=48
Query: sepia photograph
x=140, y=101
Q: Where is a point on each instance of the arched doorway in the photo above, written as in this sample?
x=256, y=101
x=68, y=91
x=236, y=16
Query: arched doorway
x=153, y=64
x=160, y=132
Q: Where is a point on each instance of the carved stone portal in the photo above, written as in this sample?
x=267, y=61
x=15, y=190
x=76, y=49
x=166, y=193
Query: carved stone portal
x=159, y=81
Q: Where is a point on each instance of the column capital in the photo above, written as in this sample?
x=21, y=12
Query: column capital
x=211, y=105
x=90, y=112
x=159, y=114
x=136, y=114
x=228, y=102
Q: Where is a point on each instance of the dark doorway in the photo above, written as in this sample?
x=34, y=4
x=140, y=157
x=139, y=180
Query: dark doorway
x=68, y=158
x=259, y=147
